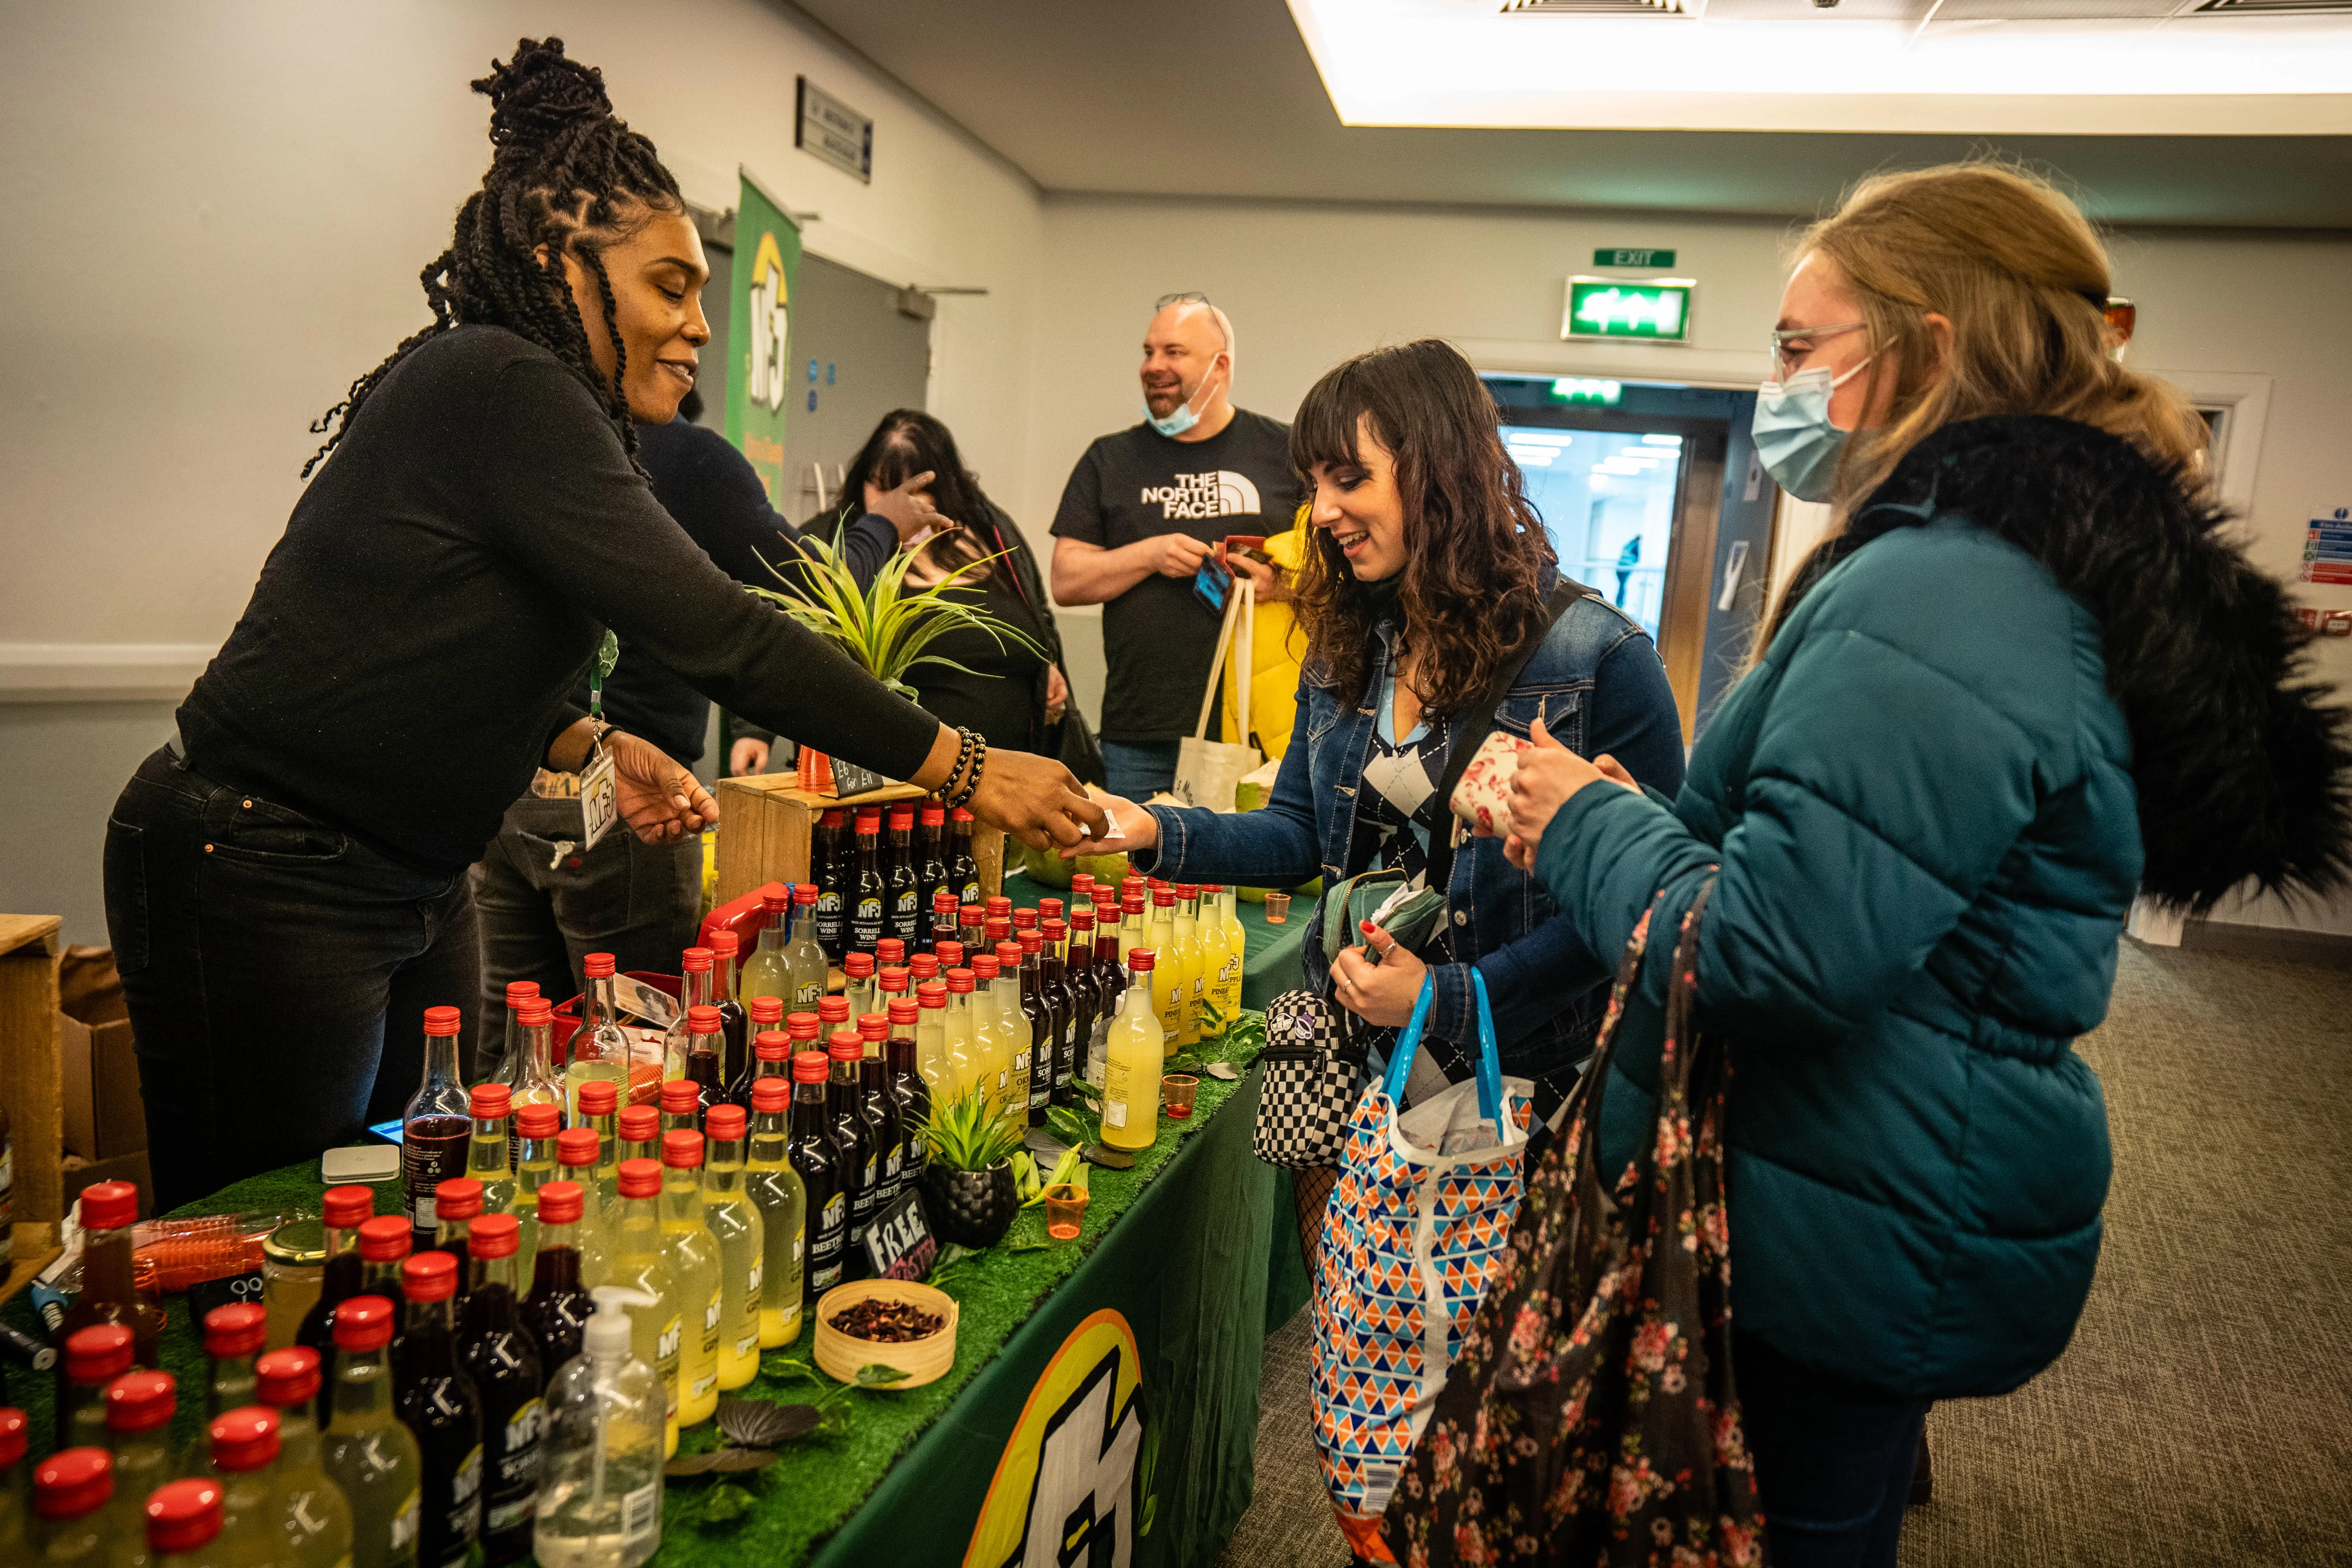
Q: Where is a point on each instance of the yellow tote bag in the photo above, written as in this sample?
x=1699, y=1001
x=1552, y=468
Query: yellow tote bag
x=1277, y=646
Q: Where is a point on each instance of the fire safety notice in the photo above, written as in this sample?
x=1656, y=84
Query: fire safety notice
x=2328, y=546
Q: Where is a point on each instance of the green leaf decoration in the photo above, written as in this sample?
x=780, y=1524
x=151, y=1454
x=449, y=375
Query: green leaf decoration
x=888, y=626
x=726, y=1502
x=874, y=1375
x=1221, y=1070
x=720, y=1462
x=763, y=1422
x=969, y=1133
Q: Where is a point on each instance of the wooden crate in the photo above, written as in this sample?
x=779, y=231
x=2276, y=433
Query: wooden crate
x=765, y=822
x=32, y=1086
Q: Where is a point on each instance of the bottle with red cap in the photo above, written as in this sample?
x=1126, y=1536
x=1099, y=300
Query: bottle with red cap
x=963, y=865
x=866, y=890
x=500, y=1354
x=180, y=1526
x=818, y=1160
x=1110, y=978
x=441, y=1405
x=541, y=1126
x=858, y=988
x=682, y=1106
x=513, y=1066
x=734, y=1224
x=971, y=927
x=906, y=893
x=489, y=1159
x=804, y=954
x=693, y=1254
x=437, y=1124
x=312, y=1512
x=139, y=1407
x=828, y=864
x=766, y=971
x=1037, y=1010
x=542, y=1081
x=1078, y=978
x=1053, y=984
x=924, y=967
x=600, y=1052
x=733, y=1017
x=71, y=1490
x=640, y=1133
x=882, y=1109
x=694, y=965
x=942, y=924
x=459, y=1204
x=890, y=954
x=1134, y=923
x=558, y=1307
x=931, y=1042
x=386, y=1244
x=369, y=1453
x=578, y=1153
x=860, y=1142
x=234, y=1336
x=244, y=1448
x=641, y=1265
x=1132, y=1062
x=15, y=1486
x=932, y=876
x=904, y=1082
x=109, y=1288
x=1024, y=920
x=966, y=1070
x=600, y=1112
x=778, y=1194
x=1012, y=1028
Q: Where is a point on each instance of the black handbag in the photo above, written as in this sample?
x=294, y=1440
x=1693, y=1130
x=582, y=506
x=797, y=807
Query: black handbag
x=1075, y=746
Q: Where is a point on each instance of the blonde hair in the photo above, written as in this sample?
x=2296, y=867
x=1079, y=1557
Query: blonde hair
x=2017, y=271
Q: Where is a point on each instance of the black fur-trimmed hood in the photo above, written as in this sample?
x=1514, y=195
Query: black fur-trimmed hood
x=2242, y=762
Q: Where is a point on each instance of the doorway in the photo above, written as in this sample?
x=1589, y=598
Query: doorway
x=1651, y=496
x=855, y=356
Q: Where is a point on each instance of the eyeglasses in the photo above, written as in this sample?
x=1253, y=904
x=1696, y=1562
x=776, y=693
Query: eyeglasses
x=1190, y=297
x=1802, y=341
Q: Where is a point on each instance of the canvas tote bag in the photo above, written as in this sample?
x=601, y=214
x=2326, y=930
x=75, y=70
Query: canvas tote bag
x=1422, y=1208
x=1209, y=772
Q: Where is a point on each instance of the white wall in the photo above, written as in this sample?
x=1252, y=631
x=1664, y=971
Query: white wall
x=2258, y=318
x=221, y=209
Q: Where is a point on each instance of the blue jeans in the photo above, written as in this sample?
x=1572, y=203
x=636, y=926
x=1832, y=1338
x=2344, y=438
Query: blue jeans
x=277, y=972
x=1142, y=771
x=1833, y=1463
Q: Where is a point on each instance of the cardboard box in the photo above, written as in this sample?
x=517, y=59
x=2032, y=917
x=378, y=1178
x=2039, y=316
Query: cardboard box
x=131, y=1167
x=103, y=1116
x=29, y=1064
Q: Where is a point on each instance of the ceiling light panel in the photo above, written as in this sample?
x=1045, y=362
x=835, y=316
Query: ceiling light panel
x=1961, y=66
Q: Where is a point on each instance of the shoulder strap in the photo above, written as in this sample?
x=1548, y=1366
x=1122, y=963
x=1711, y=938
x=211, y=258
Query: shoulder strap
x=1476, y=721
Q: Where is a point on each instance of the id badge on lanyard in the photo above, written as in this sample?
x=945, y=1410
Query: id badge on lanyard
x=599, y=801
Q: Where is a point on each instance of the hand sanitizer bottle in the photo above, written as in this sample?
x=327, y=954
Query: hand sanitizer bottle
x=600, y=1488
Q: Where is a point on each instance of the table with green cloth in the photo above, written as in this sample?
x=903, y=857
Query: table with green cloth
x=1111, y=1379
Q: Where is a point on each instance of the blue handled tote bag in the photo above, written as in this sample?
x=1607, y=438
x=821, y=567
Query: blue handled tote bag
x=1424, y=1206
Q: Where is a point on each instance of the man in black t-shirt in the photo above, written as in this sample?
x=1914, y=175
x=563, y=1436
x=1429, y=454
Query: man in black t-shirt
x=1138, y=517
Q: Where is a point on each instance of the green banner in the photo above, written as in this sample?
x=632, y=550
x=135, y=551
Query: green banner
x=759, y=364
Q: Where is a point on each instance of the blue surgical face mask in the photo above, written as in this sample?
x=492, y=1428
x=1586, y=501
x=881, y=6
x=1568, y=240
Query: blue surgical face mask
x=1183, y=416
x=1794, y=437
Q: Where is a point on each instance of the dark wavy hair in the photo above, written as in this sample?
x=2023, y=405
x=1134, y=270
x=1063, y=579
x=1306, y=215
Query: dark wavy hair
x=908, y=442
x=566, y=172
x=1475, y=547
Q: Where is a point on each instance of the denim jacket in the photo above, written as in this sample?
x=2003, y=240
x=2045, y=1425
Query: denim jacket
x=1546, y=986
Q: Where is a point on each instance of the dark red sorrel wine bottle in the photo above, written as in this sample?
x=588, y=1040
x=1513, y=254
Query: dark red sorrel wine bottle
x=439, y=1403
x=436, y=1126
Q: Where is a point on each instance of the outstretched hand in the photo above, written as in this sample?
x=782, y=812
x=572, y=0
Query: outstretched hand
x=662, y=802
x=1548, y=776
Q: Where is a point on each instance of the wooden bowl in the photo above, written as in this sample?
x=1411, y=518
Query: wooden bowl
x=839, y=1355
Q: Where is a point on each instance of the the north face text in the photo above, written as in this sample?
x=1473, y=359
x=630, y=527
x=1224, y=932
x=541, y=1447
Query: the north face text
x=1222, y=493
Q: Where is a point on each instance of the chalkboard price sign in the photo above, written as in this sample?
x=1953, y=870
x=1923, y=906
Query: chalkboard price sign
x=899, y=1243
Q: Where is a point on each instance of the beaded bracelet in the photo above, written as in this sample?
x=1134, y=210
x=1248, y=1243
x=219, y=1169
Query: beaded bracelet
x=955, y=771
x=978, y=750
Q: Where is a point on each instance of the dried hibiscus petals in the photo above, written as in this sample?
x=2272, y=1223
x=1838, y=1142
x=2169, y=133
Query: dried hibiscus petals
x=885, y=1322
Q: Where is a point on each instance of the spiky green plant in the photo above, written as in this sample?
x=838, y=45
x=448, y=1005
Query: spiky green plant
x=885, y=628
x=969, y=1133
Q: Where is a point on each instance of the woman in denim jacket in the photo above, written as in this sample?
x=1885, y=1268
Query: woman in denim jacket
x=1427, y=570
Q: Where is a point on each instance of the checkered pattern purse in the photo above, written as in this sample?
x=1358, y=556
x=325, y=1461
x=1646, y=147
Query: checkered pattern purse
x=1314, y=1075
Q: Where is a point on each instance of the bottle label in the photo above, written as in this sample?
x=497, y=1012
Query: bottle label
x=834, y=1215
x=705, y=1384
x=759, y=1272
x=501, y=1517
x=666, y=1346
x=710, y=1322
x=746, y=1343
x=405, y=1520
x=890, y=1166
x=1114, y=1110
x=640, y=1517
x=465, y=1497
x=825, y=1276
x=1118, y=1082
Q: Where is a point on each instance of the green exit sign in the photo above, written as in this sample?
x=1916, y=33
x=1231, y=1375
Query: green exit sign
x=1632, y=259
x=1657, y=310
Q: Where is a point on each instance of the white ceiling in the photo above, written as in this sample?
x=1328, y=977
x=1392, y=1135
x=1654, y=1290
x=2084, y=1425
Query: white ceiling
x=1222, y=98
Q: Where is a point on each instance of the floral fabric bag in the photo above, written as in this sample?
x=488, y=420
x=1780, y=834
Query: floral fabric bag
x=1422, y=1206
x=1590, y=1417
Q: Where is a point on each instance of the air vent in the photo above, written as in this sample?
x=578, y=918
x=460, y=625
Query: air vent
x=2274, y=8
x=1684, y=8
x=2054, y=10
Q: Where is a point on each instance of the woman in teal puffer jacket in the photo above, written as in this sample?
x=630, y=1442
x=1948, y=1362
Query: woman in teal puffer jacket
x=2026, y=678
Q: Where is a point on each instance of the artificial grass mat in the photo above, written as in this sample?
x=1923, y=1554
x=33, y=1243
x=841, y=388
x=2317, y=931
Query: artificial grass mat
x=820, y=1481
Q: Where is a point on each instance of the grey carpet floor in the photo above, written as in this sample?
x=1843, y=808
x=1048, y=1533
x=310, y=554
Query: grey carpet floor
x=2203, y=1414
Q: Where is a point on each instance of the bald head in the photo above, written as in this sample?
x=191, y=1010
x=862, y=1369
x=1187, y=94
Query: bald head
x=1187, y=344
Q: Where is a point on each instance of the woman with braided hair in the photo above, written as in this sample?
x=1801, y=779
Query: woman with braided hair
x=286, y=879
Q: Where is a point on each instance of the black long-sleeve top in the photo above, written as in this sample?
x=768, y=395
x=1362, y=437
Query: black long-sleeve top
x=713, y=492
x=410, y=647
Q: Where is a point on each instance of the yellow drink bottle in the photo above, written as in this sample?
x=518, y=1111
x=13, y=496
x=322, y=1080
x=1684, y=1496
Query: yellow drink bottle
x=641, y=1262
x=931, y=1042
x=1225, y=929
x=781, y=1198
x=539, y=1125
x=956, y=1032
x=368, y=1454
x=312, y=1511
x=1132, y=1062
x=1193, y=954
x=735, y=1224
x=693, y=1254
x=1167, y=985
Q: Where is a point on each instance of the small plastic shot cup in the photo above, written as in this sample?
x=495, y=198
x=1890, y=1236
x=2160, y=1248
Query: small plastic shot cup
x=1065, y=1210
x=1176, y=1091
x=1277, y=908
